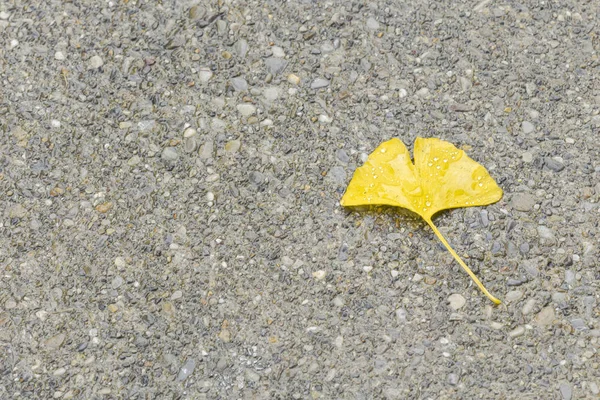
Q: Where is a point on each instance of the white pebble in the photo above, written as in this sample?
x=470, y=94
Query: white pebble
x=205, y=74
x=319, y=275
x=456, y=301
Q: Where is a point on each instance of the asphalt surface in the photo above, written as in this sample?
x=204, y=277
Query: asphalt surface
x=170, y=178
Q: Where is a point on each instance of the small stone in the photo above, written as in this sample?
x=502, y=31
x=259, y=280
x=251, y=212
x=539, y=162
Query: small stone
x=528, y=307
x=117, y=282
x=239, y=84
x=372, y=24
x=147, y=125
x=4, y=15
x=594, y=388
x=275, y=65
x=225, y=336
x=319, y=275
x=337, y=175
x=545, y=317
x=252, y=376
x=104, y=207
x=527, y=157
x=54, y=192
x=277, y=52
x=10, y=304
x=518, y=331
x=246, y=109
x=293, y=79
x=496, y=325
x=325, y=119
x=189, y=132
x=241, y=48
x=190, y=144
x=513, y=296
x=95, y=62
x=205, y=74
x=523, y=202
x=423, y=92
x=120, y=262
x=197, y=12
x=233, y=146
x=170, y=154
x=133, y=161
x=579, y=324
x=59, y=55
x=545, y=233
x=566, y=391
x=367, y=268
x=187, y=369
x=453, y=379
x=569, y=140
x=17, y=211
x=342, y=156
x=113, y=308
x=553, y=164
x=338, y=301
x=55, y=341
x=319, y=83
x=456, y=301
x=206, y=150
x=271, y=93
x=527, y=127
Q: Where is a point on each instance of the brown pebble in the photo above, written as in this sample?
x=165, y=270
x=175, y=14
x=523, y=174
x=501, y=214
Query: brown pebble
x=104, y=207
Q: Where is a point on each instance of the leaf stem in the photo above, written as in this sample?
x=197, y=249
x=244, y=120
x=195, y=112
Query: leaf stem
x=461, y=262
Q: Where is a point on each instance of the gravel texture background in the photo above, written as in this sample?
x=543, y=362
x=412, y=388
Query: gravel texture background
x=170, y=176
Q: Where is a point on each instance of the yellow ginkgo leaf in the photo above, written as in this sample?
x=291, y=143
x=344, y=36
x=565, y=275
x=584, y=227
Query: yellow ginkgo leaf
x=441, y=177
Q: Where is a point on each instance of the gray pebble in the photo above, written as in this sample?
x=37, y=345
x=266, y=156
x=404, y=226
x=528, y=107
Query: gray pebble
x=241, y=48
x=569, y=276
x=187, y=369
x=523, y=201
x=527, y=127
x=95, y=62
x=579, y=324
x=239, y=84
x=17, y=211
x=337, y=174
x=553, y=164
x=146, y=125
x=256, y=177
x=517, y=332
x=372, y=23
x=246, y=109
x=545, y=233
x=275, y=65
x=170, y=154
x=566, y=391
x=456, y=301
x=453, y=379
x=513, y=296
x=319, y=83
x=524, y=248
x=342, y=156
x=55, y=341
x=190, y=144
x=528, y=307
x=117, y=282
x=252, y=376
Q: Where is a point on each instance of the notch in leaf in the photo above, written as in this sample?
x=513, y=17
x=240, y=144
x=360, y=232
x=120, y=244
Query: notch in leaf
x=441, y=177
